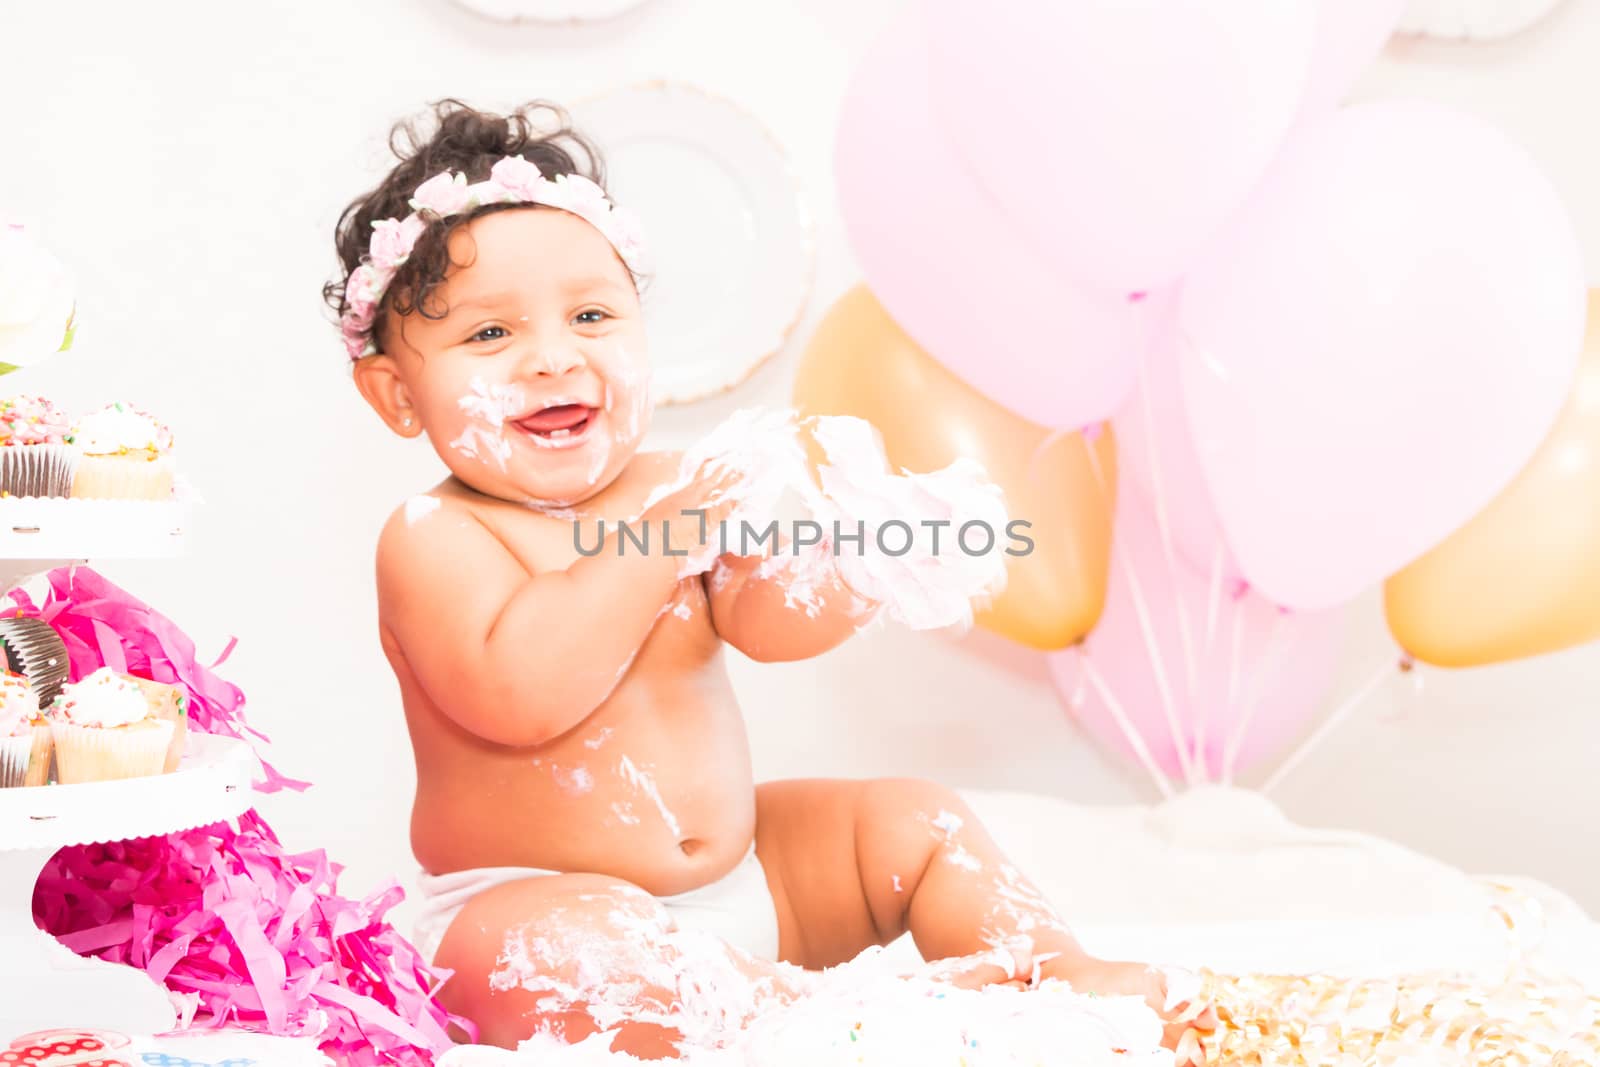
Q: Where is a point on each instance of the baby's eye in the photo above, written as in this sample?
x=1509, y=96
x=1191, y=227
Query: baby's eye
x=593, y=315
x=489, y=333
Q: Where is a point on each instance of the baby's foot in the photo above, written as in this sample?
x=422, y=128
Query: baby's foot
x=1185, y=1019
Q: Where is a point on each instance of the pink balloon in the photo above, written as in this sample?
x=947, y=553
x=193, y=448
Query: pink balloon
x=1264, y=698
x=1120, y=135
x=1379, y=347
x=1156, y=450
x=1350, y=34
x=954, y=273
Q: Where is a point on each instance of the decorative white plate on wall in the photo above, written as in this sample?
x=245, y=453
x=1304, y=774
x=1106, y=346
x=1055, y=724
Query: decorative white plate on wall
x=550, y=10
x=729, y=234
x=1473, y=20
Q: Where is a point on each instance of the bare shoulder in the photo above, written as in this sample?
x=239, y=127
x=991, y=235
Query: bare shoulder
x=426, y=519
x=433, y=534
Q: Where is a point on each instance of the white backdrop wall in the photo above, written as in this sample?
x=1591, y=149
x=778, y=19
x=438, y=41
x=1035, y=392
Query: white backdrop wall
x=190, y=160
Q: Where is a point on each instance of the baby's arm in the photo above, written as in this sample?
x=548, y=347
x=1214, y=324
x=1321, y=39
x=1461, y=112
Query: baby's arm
x=759, y=607
x=515, y=657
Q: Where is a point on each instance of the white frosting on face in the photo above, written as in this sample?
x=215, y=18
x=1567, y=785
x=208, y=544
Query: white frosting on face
x=487, y=408
x=116, y=429
x=104, y=699
x=19, y=705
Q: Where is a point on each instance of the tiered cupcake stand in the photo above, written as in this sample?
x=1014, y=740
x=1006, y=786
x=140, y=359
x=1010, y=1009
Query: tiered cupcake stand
x=42, y=983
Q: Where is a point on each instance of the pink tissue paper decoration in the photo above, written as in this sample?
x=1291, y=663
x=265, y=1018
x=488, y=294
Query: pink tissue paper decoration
x=246, y=934
x=105, y=626
x=241, y=932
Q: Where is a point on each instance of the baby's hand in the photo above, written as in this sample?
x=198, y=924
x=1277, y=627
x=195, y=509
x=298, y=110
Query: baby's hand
x=696, y=509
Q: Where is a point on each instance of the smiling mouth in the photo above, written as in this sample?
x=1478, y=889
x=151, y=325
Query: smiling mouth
x=558, y=426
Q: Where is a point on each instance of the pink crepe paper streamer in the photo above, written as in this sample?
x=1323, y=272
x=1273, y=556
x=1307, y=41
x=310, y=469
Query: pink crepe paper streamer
x=105, y=626
x=239, y=931
x=246, y=934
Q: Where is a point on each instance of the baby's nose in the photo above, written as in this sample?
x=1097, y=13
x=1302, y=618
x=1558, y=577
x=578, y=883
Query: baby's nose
x=555, y=360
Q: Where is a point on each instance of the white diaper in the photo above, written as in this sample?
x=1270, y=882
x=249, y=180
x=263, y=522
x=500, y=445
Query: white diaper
x=738, y=908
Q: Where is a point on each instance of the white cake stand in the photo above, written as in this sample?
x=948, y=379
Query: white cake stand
x=43, y=984
x=39, y=534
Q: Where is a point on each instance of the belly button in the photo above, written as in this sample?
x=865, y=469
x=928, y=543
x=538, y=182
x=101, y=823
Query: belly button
x=691, y=846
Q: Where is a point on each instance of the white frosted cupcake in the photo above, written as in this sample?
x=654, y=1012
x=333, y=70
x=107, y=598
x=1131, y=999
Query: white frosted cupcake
x=124, y=454
x=25, y=738
x=105, y=727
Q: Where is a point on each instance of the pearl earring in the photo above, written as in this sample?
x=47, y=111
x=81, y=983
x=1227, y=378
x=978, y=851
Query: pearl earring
x=406, y=422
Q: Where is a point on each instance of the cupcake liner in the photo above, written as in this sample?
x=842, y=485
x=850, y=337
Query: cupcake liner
x=168, y=702
x=98, y=754
x=37, y=470
x=44, y=748
x=34, y=650
x=16, y=755
x=136, y=476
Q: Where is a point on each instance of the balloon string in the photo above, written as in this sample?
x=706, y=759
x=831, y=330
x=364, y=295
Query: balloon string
x=1236, y=619
x=1331, y=723
x=1038, y=453
x=1202, y=722
x=1147, y=630
x=1158, y=492
x=1134, y=738
x=1148, y=633
x=1265, y=674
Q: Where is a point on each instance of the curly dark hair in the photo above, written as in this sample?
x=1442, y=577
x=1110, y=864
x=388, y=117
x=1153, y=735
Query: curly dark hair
x=451, y=136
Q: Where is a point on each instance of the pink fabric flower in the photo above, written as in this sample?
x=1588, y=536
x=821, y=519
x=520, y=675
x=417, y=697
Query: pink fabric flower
x=393, y=240
x=443, y=194
x=360, y=288
x=582, y=197
x=627, y=234
x=519, y=177
x=511, y=180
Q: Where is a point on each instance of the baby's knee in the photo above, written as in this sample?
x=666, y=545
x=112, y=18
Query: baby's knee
x=552, y=954
x=924, y=802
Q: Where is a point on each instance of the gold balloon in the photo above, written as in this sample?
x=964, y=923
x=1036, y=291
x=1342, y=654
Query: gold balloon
x=1523, y=577
x=860, y=363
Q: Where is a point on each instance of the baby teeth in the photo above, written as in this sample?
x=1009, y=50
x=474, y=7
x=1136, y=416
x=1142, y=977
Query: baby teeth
x=557, y=434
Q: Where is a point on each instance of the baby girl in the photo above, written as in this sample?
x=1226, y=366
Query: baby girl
x=583, y=776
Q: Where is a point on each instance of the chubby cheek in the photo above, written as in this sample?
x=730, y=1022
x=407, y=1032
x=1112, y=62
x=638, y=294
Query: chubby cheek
x=625, y=368
x=465, y=416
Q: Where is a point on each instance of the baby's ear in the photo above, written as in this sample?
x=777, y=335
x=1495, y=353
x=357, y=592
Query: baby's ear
x=378, y=378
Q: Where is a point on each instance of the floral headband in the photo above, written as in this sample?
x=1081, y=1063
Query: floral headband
x=513, y=180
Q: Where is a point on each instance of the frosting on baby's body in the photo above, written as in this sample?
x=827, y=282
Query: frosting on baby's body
x=668, y=803
x=625, y=793
x=867, y=1011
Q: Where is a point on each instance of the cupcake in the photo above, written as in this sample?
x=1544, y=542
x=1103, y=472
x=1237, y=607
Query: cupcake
x=36, y=458
x=123, y=454
x=25, y=740
x=32, y=648
x=104, y=727
x=170, y=703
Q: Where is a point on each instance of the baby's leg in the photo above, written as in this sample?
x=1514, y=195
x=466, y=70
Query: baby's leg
x=575, y=954
x=858, y=863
